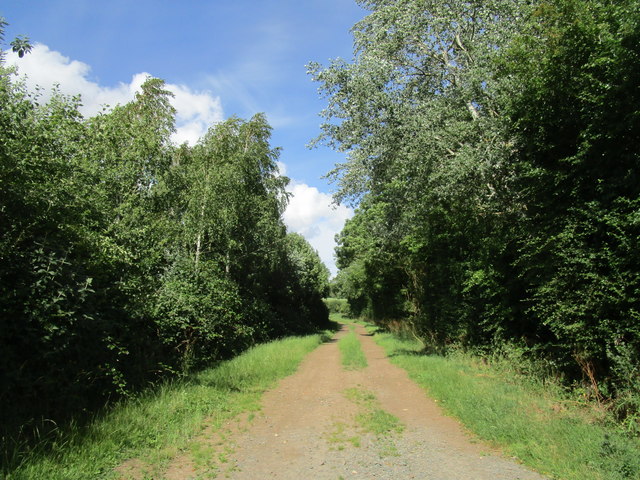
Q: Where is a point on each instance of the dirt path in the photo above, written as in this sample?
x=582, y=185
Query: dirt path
x=308, y=428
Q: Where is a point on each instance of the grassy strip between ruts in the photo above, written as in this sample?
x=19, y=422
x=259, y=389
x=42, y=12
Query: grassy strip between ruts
x=525, y=419
x=353, y=357
x=159, y=424
x=370, y=419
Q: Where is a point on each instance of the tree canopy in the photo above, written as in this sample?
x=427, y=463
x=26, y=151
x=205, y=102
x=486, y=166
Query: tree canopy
x=125, y=258
x=492, y=152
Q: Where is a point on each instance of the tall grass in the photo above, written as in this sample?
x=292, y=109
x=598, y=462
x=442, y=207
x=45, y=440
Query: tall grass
x=531, y=421
x=157, y=424
x=353, y=357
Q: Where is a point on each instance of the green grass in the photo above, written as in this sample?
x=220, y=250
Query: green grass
x=159, y=424
x=362, y=398
x=526, y=419
x=379, y=422
x=339, y=318
x=370, y=419
x=373, y=419
x=351, y=351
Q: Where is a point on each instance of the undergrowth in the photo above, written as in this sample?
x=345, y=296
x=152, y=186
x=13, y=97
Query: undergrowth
x=337, y=305
x=531, y=419
x=157, y=424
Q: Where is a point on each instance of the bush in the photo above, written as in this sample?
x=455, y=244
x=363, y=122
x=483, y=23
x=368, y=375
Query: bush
x=337, y=305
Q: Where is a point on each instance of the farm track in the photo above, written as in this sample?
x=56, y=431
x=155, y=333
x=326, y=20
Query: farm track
x=308, y=429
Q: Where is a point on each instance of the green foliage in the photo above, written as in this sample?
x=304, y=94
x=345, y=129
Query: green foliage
x=492, y=154
x=313, y=274
x=337, y=305
x=531, y=420
x=201, y=316
x=161, y=420
x=577, y=175
x=370, y=277
x=124, y=258
x=20, y=45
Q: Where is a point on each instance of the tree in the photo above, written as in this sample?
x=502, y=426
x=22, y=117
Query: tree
x=492, y=149
x=125, y=259
x=575, y=116
x=418, y=112
x=312, y=273
x=226, y=212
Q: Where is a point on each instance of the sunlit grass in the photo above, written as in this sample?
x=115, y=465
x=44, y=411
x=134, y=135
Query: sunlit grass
x=525, y=419
x=353, y=357
x=372, y=419
x=379, y=422
x=158, y=424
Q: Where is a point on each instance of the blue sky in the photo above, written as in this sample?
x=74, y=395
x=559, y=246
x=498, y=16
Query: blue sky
x=221, y=57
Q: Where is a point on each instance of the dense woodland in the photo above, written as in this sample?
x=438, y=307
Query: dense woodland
x=125, y=259
x=493, y=154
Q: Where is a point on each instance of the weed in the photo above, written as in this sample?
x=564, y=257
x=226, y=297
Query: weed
x=338, y=436
x=202, y=455
x=379, y=422
x=360, y=397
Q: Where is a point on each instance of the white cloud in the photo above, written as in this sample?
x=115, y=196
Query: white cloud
x=282, y=168
x=196, y=111
x=312, y=214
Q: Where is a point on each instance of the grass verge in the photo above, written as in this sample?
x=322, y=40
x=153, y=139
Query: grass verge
x=156, y=425
x=353, y=357
x=527, y=420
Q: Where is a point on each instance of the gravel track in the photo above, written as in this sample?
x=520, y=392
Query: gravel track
x=307, y=429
